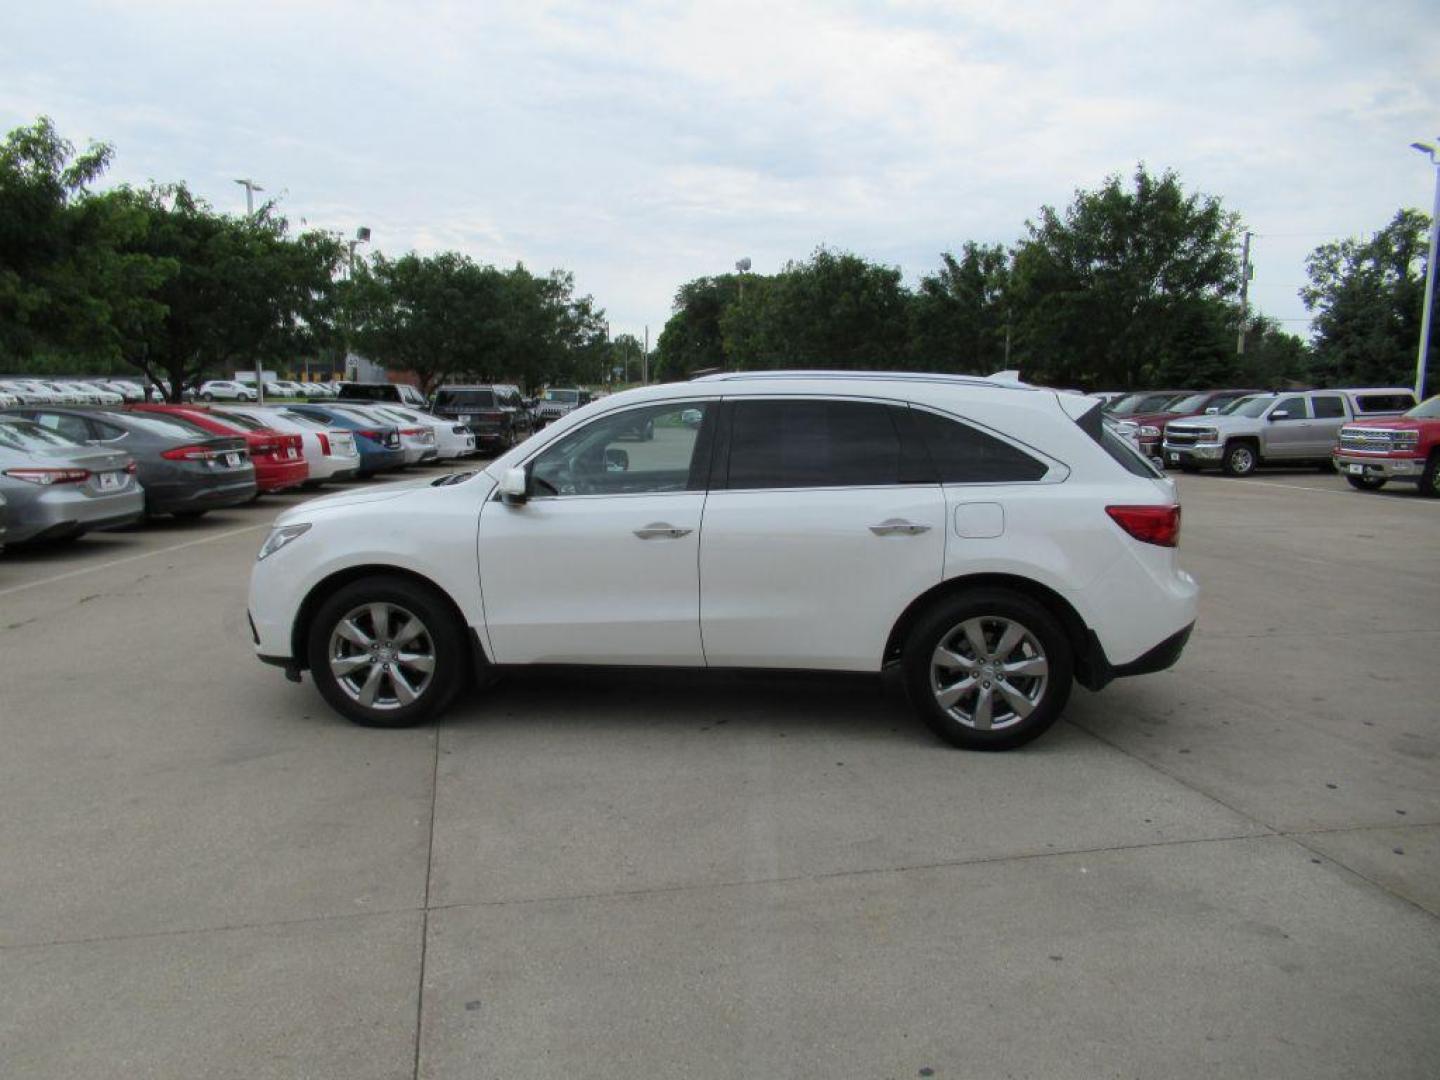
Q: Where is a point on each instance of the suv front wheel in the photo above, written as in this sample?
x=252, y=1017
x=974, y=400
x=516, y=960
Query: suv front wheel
x=1240, y=459
x=988, y=670
x=387, y=652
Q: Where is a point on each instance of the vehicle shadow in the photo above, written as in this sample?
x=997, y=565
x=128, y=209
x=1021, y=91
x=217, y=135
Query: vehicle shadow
x=783, y=702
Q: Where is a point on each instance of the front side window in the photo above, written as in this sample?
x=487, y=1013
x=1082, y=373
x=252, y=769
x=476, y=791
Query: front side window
x=1328, y=408
x=962, y=454
x=1294, y=407
x=639, y=451
x=806, y=444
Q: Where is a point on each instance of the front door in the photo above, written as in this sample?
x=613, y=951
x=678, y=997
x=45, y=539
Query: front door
x=1288, y=436
x=599, y=564
x=816, y=535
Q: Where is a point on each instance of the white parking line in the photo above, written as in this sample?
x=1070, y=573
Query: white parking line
x=1280, y=485
x=131, y=558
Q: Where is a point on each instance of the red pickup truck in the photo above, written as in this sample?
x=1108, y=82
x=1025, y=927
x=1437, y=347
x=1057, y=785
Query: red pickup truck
x=1405, y=448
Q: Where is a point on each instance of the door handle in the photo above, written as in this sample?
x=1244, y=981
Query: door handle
x=898, y=527
x=659, y=530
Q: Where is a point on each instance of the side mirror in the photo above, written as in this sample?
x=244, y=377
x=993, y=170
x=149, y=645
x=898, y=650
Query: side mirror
x=1212, y=410
x=514, y=486
x=616, y=459
x=1279, y=414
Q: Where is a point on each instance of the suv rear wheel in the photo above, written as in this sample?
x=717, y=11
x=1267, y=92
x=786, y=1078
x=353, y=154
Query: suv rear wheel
x=1240, y=459
x=387, y=652
x=988, y=670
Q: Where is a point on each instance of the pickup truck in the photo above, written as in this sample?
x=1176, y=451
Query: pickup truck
x=1283, y=428
x=1403, y=448
x=381, y=392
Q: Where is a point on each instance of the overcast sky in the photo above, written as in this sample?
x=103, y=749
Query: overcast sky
x=643, y=144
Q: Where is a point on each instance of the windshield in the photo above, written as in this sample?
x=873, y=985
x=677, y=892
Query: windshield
x=567, y=397
x=24, y=435
x=464, y=399
x=1188, y=404
x=1149, y=401
x=1426, y=410
x=1251, y=406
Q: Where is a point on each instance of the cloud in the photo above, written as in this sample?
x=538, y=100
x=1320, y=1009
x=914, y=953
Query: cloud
x=644, y=144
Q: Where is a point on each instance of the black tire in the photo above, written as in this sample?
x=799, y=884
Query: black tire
x=1190, y=469
x=1241, y=458
x=993, y=608
x=442, y=637
x=207, y=396
x=1325, y=466
x=1365, y=483
x=1430, y=478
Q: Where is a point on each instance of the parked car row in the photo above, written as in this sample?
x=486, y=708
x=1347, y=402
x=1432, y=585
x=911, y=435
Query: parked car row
x=69, y=469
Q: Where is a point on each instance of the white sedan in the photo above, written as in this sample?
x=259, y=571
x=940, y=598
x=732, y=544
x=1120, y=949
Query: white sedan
x=330, y=453
x=452, y=440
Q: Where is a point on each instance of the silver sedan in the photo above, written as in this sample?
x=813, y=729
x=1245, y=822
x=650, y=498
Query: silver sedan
x=55, y=489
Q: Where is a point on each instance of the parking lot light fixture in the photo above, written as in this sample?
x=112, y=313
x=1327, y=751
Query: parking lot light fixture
x=1433, y=153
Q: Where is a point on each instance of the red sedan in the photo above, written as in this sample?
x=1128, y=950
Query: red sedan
x=279, y=457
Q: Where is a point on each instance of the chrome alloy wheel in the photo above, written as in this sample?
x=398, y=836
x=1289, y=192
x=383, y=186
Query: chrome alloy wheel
x=382, y=656
x=989, y=673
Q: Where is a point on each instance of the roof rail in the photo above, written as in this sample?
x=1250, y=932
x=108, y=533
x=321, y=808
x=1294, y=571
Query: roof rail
x=869, y=376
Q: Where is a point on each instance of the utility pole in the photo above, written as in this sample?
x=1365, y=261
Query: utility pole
x=1245, y=274
x=645, y=362
x=1424, y=353
x=250, y=188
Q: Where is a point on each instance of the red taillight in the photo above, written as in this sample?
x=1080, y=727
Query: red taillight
x=1159, y=525
x=260, y=448
x=378, y=436
x=186, y=453
x=45, y=477
x=324, y=444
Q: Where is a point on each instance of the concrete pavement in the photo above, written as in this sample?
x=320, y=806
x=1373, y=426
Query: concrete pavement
x=1229, y=869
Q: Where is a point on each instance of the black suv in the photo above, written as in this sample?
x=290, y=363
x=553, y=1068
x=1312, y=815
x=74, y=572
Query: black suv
x=495, y=414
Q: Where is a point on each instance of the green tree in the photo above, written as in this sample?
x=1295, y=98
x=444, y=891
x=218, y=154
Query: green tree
x=67, y=272
x=1368, y=296
x=959, y=317
x=239, y=292
x=837, y=310
x=691, y=339
x=1120, y=288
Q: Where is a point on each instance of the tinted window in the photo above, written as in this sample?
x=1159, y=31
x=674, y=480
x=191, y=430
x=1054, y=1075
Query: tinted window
x=464, y=399
x=1126, y=455
x=1327, y=408
x=794, y=444
x=963, y=455
x=638, y=451
x=1295, y=406
x=1383, y=403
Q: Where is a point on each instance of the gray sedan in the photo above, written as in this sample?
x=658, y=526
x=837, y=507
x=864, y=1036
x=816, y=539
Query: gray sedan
x=56, y=490
x=184, y=469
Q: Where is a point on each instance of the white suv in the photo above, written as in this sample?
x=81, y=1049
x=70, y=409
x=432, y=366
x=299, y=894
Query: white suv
x=226, y=390
x=994, y=541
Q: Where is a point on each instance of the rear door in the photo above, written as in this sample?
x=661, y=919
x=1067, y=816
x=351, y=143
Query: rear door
x=819, y=529
x=1329, y=415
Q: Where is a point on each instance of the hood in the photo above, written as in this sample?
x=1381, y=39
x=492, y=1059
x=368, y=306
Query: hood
x=1391, y=423
x=309, y=509
x=1216, y=421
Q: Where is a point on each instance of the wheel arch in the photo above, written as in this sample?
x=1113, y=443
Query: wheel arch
x=1078, y=634
x=305, y=614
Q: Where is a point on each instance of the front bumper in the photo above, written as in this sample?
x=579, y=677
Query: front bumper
x=1378, y=466
x=1194, y=455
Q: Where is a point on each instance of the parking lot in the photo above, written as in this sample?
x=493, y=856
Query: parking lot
x=1228, y=869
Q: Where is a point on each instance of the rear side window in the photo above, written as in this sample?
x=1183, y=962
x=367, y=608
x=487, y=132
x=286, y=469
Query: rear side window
x=72, y=427
x=1383, y=403
x=801, y=444
x=962, y=454
x=1328, y=408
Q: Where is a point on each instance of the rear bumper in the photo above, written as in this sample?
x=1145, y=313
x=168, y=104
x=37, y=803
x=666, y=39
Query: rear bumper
x=59, y=513
x=168, y=498
x=1373, y=465
x=1094, y=670
x=280, y=476
x=379, y=460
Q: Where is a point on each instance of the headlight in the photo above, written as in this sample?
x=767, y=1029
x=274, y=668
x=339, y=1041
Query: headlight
x=279, y=537
x=1404, y=440
x=1149, y=431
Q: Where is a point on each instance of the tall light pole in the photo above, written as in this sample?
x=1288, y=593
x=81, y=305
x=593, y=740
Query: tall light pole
x=1431, y=150
x=250, y=188
x=362, y=236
